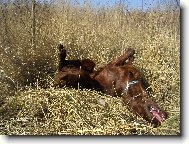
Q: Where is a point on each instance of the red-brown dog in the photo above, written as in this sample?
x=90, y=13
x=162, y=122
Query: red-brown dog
x=118, y=78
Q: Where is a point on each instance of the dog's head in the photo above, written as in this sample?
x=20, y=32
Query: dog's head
x=137, y=96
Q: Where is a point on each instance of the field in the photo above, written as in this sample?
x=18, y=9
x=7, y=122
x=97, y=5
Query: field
x=29, y=105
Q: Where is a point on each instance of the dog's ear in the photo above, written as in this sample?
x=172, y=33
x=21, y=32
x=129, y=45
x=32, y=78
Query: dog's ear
x=87, y=65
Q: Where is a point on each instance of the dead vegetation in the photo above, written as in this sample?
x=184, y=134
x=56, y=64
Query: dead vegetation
x=28, y=103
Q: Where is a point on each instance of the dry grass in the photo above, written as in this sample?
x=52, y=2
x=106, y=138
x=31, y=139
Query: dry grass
x=99, y=35
x=74, y=112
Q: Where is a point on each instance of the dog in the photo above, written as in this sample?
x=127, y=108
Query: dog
x=119, y=78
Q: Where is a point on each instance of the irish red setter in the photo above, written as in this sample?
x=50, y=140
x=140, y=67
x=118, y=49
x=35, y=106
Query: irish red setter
x=117, y=78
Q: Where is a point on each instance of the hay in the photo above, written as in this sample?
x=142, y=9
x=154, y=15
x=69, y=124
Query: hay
x=74, y=112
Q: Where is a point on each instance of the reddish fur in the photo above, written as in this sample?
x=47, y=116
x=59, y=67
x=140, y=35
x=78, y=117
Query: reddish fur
x=111, y=79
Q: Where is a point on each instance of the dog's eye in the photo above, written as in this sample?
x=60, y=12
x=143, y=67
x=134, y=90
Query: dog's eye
x=131, y=73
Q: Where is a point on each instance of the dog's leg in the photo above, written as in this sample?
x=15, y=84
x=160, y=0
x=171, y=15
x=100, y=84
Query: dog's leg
x=120, y=60
x=62, y=56
x=130, y=60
